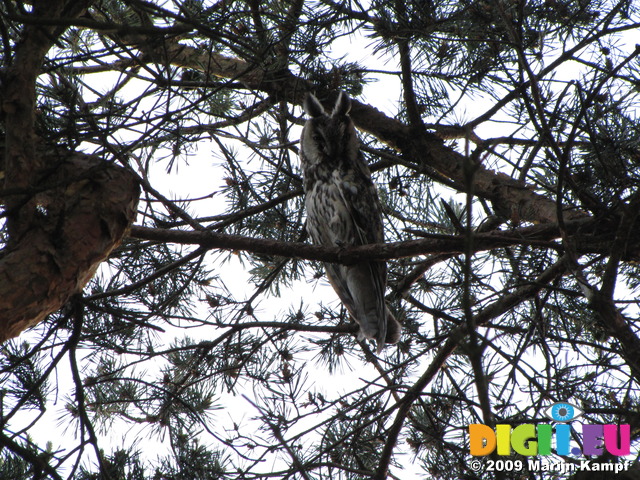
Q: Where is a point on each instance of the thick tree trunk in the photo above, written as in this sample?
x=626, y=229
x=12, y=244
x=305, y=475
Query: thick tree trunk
x=76, y=225
x=64, y=211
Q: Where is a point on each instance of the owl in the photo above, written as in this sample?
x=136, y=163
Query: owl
x=343, y=209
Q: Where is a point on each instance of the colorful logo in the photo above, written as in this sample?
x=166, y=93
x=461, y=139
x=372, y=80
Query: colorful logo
x=538, y=439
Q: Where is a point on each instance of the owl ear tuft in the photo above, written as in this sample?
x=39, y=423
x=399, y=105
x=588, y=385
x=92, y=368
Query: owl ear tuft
x=343, y=105
x=312, y=106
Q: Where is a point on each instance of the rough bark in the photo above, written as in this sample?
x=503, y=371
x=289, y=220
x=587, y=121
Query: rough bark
x=65, y=211
x=78, y=222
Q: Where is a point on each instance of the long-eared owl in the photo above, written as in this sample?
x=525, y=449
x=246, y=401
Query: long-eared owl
x=343, y=209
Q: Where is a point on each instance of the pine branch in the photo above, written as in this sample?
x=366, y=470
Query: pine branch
x=537, y=236
x=456, y=337
x=421, y=149
x=39, y=462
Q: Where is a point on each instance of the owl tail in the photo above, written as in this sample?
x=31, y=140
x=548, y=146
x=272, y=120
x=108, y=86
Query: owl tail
x=365, y=302
x=389, y=333
x=383, y=332
x=361, y=289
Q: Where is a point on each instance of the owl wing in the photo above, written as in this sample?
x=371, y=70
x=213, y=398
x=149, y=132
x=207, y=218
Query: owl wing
x=359, y=199
x=357, y=220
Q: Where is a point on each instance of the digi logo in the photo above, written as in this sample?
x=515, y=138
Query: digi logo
x=548, y=439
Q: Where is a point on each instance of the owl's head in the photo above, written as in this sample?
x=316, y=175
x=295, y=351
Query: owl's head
x=328, y=137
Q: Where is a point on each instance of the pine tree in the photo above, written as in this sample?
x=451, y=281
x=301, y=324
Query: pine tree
x=162, y=313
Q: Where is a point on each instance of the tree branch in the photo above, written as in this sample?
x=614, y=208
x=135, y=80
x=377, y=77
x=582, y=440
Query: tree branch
x=38, y=461
x=455, y=338
x=424, y=149
x=537, y=235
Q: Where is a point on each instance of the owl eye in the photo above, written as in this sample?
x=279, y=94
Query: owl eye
x=317, y=138
x=563, y=412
